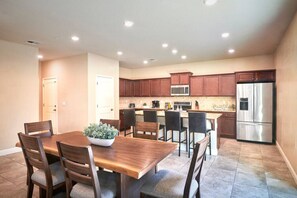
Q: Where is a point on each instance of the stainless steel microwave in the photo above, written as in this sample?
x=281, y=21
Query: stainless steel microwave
x=180, y=90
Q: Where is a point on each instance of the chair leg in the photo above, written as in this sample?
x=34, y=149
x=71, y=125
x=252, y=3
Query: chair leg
x=189, y=147
x=42, y=192
x=210, y=143
x=49, y=193
x=187, y=141
x=30, y=188
x=179, y=143
x=164, y=136
x=198, y=195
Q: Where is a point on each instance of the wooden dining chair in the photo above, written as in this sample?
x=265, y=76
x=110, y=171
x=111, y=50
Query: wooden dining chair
x=42, y=128
x=47, y=177
x=80, y=170
x=169, y=183
x=115, y=123
x=147, y=130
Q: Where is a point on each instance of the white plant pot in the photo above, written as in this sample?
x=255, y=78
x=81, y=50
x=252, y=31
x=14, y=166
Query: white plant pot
x=101, y=142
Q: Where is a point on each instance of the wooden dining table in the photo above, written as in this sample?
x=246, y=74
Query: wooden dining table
x=133, y=160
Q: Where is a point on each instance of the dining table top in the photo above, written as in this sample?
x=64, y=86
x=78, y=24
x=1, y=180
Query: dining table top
x=130, y=156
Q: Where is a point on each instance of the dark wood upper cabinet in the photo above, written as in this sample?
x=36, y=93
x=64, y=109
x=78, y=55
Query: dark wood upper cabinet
x=265, y=76
x=145, y=88
x=196, y=86
x=180, y=78
x=122, y=83
x=211, y=85
x=129, y=88
x=256, y=76
x=165, y=86
x=227, y=85
x=155, y=87
x=137, y=89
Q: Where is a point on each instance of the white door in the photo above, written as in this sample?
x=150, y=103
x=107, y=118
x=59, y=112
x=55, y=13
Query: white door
x=105, y=98
x=49, y=102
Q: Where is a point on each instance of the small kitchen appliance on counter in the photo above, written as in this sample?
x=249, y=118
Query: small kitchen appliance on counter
x=155, y=104
x=132, y=105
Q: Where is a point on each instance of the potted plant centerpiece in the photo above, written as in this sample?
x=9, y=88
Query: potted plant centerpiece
x=100, y=134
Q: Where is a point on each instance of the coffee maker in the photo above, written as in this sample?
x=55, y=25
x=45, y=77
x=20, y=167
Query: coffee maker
x=155, y=104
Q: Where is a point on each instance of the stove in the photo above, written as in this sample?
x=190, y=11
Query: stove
x=182, y=106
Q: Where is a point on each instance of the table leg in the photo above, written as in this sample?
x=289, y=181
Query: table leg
x=130, y=187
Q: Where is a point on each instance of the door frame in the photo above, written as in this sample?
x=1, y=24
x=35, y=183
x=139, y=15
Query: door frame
x=57, y=114
x=97, y=94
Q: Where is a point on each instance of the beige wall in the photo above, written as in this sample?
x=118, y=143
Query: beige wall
x=76, y=77
x=202, y=68
x=71, y=74
x=19, y=84
x=101, y=66
x=286, y=76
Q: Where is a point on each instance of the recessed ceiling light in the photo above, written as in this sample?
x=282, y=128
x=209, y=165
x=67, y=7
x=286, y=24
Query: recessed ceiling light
x=209, y=2
x=128, y=23
x=174, y=51
x=145, y=62
x=165, y=45
x=231, y=51
x=225, y=35
x=120, y=53
x=75, y=38
x=183, y=57
x=39, y=56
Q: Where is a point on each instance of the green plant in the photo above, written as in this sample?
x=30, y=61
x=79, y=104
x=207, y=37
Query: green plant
x=100, y=131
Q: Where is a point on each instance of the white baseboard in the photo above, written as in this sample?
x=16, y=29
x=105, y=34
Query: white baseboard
x=287, y=162
x=10, y=151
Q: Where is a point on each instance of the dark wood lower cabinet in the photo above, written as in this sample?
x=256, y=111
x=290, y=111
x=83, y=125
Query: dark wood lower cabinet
x=227, y=125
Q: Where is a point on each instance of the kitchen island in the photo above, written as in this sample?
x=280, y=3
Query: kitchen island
x=213, y=124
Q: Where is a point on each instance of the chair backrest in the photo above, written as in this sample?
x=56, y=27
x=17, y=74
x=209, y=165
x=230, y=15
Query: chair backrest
x=197, y=122
x=129, y=117
x=150, y=116
x=35, y=156
x=196, y=164
x=42, y=128
x=147, y=130
x=115, y=123
x=79, y=166
x=172, y=120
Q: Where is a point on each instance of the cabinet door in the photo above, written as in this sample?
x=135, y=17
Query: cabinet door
x=175, y=79
x=145, y=87
x=245, y=77
x=129, y=88
x=228, y=127
x=227, y=85
x=211, y=85
x=265, y=76
x=122, y=87
x=155, y=87
x=184, y=79
x=196, y=86
x=137, y=88
x=165, y=87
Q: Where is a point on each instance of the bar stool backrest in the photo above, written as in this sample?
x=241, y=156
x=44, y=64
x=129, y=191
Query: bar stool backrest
x=197, y=122
x=150, y=116
x=129, y=117
x=172, y=120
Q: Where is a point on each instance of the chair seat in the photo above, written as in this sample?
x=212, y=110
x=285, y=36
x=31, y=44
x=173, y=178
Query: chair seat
x=107, y=185
x=168, y=183
x=57, y=174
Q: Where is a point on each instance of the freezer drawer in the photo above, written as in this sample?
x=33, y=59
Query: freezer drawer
x=258, y=132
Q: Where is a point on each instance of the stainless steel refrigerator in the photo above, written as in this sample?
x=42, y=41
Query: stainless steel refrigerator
x=255, y=111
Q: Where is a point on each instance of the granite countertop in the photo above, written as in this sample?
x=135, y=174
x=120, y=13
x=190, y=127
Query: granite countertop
x=194, y=110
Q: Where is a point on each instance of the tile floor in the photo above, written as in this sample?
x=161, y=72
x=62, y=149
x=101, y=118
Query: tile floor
x=240, y=170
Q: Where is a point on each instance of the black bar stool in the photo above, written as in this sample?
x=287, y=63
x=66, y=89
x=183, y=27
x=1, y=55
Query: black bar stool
x=151, y=116
x=197, y=124
x=129, y=121
x=173, y=122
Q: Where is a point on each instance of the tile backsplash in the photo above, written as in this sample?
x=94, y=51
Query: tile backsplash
x=205, y=103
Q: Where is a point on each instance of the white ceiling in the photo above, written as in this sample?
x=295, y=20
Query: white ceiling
x=255, y=27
